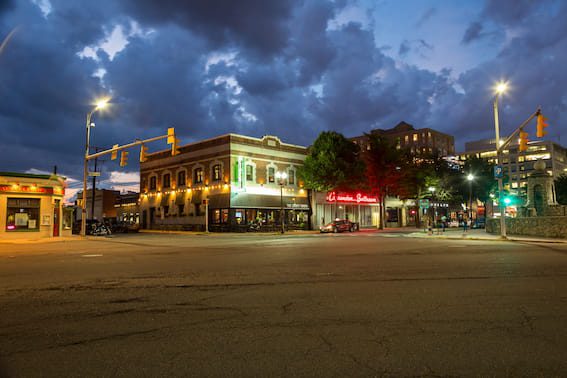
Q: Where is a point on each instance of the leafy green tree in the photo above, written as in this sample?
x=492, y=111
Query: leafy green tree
x=333, y=163
x=483, y=183
x=561, y=189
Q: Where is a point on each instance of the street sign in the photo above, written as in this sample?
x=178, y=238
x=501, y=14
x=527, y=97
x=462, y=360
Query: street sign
x=498, y=172
x=94, y=174
x=424, y=203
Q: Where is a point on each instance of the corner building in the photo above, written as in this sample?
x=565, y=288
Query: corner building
x=227, y=182
x=31, y=206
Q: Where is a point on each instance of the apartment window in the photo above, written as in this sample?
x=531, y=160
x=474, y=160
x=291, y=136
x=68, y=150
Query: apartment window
x=406, y=139
x=291, y=177
x=249, y=173
x=521, y=159
x=180, y=209
x=181, y=178
x=415, y=137
x=198, y=176
x=166, y=181
x=216, y=172
x=429, y=134
x=22, y=214
x=271, y=175
x=153, y=183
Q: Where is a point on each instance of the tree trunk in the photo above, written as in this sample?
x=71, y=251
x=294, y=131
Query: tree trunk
x=382, y=212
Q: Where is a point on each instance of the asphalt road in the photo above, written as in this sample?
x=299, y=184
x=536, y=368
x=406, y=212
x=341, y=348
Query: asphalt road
x=362, y=304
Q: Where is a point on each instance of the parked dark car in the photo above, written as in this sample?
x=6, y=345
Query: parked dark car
x=340, y=225
x=479, y=223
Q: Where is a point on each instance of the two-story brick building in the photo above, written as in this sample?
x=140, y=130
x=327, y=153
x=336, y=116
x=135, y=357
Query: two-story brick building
x=231, y=180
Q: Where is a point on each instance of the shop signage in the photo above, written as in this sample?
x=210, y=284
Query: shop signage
x=26, y=189
x=297, y=205
x=347, y=197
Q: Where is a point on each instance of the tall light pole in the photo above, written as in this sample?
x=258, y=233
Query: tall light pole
x=281, y=176
x=432, y=191
x=500, y=89
x=99, y=105
x=470, y=179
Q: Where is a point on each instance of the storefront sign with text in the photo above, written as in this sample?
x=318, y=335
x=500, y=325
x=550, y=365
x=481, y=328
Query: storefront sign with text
x=348, y=197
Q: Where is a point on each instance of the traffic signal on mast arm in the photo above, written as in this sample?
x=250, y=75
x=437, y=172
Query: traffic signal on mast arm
x=523, y=141
x=541, y=125
x=171, y=139
x=143, y=153
x=170, y=135
x=174, y=147
x=114, y=153
x=123, y=158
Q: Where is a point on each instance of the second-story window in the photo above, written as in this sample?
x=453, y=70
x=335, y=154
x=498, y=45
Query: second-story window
x=198, y=177
x=153, y=183
x=216, y=172
x=166, y=180
x=181, y=178
x=291, y=177
x=249, y=173
x=271, y=174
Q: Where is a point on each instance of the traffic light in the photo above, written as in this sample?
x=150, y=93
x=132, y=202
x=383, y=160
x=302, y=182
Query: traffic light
x=174, y=147
x=171, y=135
x=143, y=153
x=523, y=141
x=541, y=125
x=123, y=158
x=114, y=153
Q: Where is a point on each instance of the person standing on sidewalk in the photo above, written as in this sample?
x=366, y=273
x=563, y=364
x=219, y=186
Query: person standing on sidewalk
x=465, y=224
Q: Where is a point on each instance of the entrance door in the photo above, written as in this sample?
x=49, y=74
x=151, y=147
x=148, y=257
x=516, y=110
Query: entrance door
x=152, y=216
x=56, y=214
x=144, y=219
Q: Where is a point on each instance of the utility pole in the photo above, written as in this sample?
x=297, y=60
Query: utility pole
x=94, y=187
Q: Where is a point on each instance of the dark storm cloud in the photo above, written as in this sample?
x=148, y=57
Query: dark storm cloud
x=255, y=68
x=533, y=61
x=261, y=25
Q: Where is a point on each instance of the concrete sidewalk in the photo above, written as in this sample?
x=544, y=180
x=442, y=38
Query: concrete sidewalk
x=481, y=235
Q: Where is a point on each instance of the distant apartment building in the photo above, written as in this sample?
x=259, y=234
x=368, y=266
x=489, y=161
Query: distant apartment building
x=519, y=165
x=104, y=201
x=418, y=142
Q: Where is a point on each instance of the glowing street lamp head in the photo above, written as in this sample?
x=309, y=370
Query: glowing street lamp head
x=470, y=177
x=501, y=87
x=102, y=103
x=431, y=189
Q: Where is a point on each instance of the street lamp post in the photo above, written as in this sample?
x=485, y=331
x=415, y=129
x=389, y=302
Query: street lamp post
x=99, y=105
x=434, y=215
x=470, y=179
x=500, y=89
x=281, y=176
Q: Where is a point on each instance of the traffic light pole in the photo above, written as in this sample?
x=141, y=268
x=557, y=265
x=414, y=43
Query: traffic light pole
x=98, y=154
x=499, y=149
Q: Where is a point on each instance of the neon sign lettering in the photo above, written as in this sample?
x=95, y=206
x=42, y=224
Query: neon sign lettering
x=343, y=197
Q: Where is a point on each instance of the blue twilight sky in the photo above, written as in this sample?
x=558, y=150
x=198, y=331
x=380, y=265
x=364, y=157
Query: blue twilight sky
x=288, y=68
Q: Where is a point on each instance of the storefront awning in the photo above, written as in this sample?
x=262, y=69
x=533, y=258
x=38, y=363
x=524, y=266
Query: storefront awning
x=259, y=201
x=219, y=201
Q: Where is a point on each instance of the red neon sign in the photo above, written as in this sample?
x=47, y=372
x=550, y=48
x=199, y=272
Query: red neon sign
x=343, y=197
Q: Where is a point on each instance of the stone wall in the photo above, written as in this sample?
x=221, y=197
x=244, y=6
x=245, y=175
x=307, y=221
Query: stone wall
x=549, y=227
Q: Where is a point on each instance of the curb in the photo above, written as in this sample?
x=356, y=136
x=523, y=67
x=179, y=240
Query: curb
x=508, y=239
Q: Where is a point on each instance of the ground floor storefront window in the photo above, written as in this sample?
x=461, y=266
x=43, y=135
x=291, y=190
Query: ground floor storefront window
x=22, y=214
x=244, y=220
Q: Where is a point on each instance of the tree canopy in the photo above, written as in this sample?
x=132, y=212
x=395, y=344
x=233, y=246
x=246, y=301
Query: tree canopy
x=333, y=163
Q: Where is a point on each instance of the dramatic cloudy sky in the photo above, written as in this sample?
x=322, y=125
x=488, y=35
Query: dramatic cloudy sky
x=287, y=68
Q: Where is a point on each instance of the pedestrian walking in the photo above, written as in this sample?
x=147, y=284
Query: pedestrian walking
x=465, y=224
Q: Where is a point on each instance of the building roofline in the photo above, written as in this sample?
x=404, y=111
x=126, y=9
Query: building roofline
x=31, y=175
x=229, y=135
